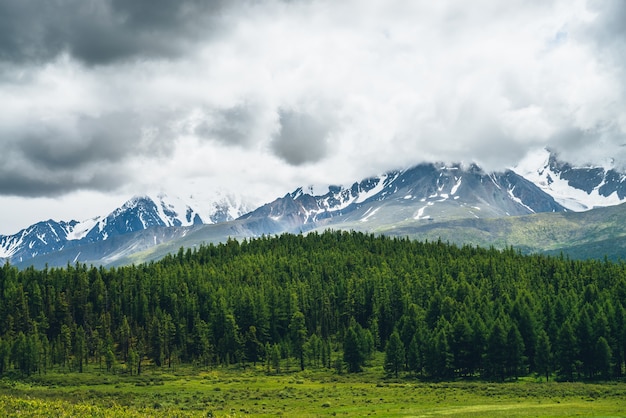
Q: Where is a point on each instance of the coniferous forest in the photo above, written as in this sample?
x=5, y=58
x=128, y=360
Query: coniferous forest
x=328, y=300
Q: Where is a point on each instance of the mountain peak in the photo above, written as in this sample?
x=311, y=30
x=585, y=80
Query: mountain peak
x=422, y=192
x=577, y=187
x=138, y=213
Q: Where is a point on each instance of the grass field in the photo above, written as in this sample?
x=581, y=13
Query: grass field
x=237, y=393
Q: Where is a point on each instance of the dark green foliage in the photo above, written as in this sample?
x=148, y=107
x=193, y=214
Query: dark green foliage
x=462, y=346
x=325, y=300
x=275, y=358
x=298, y=332
x=603, y=358
x=438, y=356
x=353, y=351
x=394, y=355
x=80, y=348
x=415, y=355
x=515, y=359
x=566, y=348
x=543, y=355
x=496, y=355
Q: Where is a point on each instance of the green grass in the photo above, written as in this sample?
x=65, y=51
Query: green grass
x=227, y=392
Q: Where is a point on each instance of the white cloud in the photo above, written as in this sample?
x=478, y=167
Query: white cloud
x=380, y=85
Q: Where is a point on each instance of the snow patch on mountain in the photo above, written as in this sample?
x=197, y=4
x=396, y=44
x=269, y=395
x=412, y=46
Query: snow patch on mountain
x=456, y=186
x=138, y=213
x=79, y=230
x=576, y=188
x=518, y=200
x=420, y=212
x=369, y=214
x=380, y=183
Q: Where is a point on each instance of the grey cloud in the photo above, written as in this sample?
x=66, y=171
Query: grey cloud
x=100, y=32
x=610, y=23
x=107, y=138
x=591, y=146
x=31, y=182
x=91, y=153
x=302, y=138
x=607, y=32
x=233, y=126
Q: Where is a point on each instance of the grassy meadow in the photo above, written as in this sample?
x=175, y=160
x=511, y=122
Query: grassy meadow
x=233, y=392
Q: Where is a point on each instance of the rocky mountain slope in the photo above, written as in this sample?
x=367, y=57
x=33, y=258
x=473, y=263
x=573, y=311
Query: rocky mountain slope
x=137, y=214
x=421, y=195
x=576, y=187
x=424, y=192
x=428, y=201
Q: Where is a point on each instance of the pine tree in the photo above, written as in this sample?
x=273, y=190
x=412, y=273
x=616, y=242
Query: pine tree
x=124, y=337
x=252, y=345
x=566, y=345
x=603, y=358
x=394, y=354
x=352, y=351
x=66, y=344
x=109, y=358
x=514, y=352
x=543, y=355
x=80, y=348
x=496, y=352
x=133, y=361
x=314, y=349
x=276, y=358
x=326, y=360
x=584, y=336
x=5, y=355
x=298, y=332
x=414, y=355
x=462, y=345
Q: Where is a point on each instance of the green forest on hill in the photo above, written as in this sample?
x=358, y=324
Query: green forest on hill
x=328, y=300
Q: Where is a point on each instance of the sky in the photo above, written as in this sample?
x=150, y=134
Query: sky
x=101, y=100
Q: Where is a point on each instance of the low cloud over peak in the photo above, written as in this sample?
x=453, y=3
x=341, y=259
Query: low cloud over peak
x=112, y=95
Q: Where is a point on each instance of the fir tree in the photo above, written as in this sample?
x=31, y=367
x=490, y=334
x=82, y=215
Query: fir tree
x=394, y=354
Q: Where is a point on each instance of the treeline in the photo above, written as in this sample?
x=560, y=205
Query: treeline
x=323, y=300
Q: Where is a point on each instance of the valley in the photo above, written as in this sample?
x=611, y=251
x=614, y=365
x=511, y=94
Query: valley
x=231, y=392
x=331, y=323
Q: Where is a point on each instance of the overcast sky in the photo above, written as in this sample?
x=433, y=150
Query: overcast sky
x=104, y=99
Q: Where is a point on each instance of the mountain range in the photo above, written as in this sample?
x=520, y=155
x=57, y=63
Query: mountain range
x=141, y=213
x=541, y=205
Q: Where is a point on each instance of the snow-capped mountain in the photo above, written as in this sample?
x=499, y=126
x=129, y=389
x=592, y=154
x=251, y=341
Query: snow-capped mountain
x=423, y=192
x=40, y=238
x=578, y=188
x=137, y=214
x=401, y=200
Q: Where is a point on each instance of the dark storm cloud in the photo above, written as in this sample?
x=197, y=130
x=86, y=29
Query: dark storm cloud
x=107, y=138
x=164, y=85
x=302, y=138
x=90, y=153
x=100, y=31
x=233, y=126
x=27, y=182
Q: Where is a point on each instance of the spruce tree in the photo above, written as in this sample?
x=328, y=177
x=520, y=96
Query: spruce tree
x=543, y=355
x=352, y=351
x=496, y=352
x=603, y=358
x=394, y=354
x=298, y=333
x=566, y=345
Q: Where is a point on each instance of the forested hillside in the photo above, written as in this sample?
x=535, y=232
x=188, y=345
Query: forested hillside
x=323, y=300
